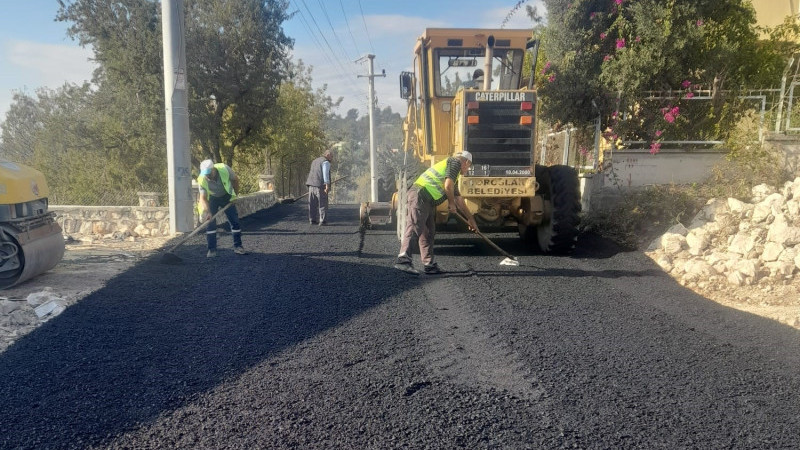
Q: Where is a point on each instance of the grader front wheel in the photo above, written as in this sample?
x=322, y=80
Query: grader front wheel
x=558, y=233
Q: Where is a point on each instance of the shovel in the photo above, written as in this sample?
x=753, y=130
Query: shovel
x=170, y=258
x=292, y=200
x=510, y=259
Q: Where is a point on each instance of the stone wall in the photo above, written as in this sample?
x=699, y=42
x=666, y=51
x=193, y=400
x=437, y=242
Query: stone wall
x=787, y=148
x=138, y=221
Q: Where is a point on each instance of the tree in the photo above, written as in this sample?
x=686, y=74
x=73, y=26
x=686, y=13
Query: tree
x=606, y=56
x=236, y=59
x=293, y=133
x=237, y=56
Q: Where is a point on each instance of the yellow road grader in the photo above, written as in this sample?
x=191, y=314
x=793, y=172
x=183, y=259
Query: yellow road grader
x=30, y=239
x=467, y=92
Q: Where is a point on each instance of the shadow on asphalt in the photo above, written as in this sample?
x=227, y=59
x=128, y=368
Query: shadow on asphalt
x=158, y=336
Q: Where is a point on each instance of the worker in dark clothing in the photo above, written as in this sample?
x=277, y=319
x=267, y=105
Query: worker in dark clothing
x=435, y=186
x=319, y=184
x=477, y=80
x=218, y=185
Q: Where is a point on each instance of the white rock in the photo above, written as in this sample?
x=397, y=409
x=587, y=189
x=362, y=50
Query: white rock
x=9, y=306
x=665, y=262
x=736, y=278
x=697, y=269
x=37, y=298
x=772, y=251
x=736, y=206
x=697, y=240
x=21, y=318
x=781, y=232
x=672, y=243
x=780, y=269
x=749, y=268
x=793, y=208
x=761, y=192
x=742, y=243
x=712, y=208
x=795, y=188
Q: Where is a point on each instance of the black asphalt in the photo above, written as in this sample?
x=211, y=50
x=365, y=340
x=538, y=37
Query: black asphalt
x=314, y=340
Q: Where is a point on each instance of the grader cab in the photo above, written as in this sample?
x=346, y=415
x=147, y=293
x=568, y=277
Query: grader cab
x=451, y=108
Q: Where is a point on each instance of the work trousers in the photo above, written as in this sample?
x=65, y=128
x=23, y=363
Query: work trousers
x=215, y=203
x=420, y=222
x=317, y=204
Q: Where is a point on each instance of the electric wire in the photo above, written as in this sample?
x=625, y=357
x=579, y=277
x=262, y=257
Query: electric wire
x=363, y=19
x=336, y=64
x=335, y=35
x=349, y=30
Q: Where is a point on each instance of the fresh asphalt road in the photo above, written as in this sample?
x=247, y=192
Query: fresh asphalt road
x=313, y=340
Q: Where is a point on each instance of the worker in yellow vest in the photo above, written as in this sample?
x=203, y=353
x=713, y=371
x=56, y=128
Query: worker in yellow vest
x=218, y=185
x=435, y=186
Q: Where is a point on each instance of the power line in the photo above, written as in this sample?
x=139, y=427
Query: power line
x=334, y=63
x=363, y=19
x=344, y=14
x=335, y=35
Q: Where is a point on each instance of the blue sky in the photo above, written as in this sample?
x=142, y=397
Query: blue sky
x=329, y=35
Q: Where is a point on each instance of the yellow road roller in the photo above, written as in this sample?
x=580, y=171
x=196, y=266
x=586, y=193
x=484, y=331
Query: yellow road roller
x=31, y=241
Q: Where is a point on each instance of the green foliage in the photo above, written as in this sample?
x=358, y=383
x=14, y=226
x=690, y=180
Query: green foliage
x=748, y=163
x=351, y=135
x=607, y=51
x=643, y=214
x=237, y=57
x=85, y=159
x=293, y=134
x=630, y=221
x=111, y=137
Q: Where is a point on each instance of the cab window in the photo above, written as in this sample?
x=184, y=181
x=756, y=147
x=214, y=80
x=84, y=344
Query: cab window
x=455, y=68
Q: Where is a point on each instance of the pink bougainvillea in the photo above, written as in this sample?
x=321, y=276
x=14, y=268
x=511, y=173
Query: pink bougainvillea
x=700, y=23
x=606, y=58
x=689, y=94
x=655, y=147
x=552, y=77
x=602, y=36
x=620, y=43
x=686, y=83
x=619, y=2
x=659, y=133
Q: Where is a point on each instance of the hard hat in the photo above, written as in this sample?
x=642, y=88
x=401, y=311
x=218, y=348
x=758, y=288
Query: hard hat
x=465, y=154
x=205, y=167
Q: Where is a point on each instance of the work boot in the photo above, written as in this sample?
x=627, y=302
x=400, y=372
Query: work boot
x=239, y=251
x=433, y=269
x=211, y=254
x=403, y=258
x=406, y=267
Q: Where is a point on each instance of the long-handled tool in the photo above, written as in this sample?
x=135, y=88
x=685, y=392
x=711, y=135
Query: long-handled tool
x=171, y=258
x=292, y=200
x=510, y=259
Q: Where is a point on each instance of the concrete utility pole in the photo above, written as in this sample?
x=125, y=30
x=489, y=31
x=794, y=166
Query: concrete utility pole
x=373, y=176
x=176, y=106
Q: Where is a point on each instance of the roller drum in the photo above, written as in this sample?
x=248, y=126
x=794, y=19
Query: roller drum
x=26, y=253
